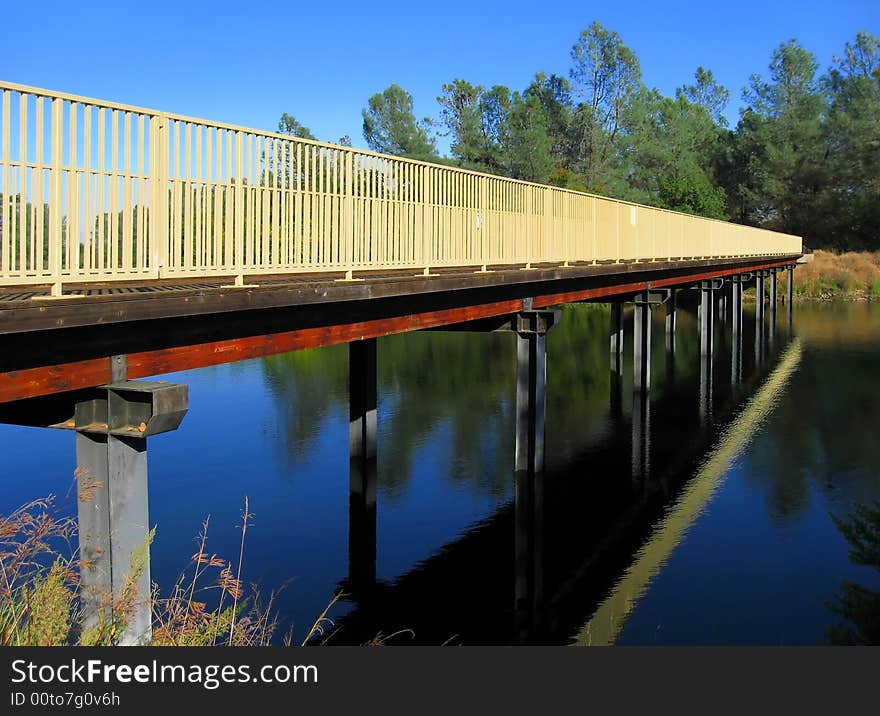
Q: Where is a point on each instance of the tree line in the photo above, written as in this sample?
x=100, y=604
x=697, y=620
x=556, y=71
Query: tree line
x=803, y=158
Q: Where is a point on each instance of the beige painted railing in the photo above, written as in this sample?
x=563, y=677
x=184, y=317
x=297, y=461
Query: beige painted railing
x=97, y=191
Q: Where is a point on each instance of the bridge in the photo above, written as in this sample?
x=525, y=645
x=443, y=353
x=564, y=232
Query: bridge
x=135, y=243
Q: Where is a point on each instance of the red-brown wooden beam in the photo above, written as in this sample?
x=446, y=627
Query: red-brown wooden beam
x=47, y=380
x=587, y=294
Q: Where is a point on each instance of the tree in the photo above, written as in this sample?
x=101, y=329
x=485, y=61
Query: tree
x=289, y=125
x=708, y=94
x=528, y=145
x=671, y=148
x=390, y=127
x=779, y=152
x=554, y=95
x=852, y=134
x=606, y=76
x=475, y=119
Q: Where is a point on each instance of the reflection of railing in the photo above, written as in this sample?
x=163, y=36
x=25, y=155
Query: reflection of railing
x=607, y=621
x=94, y=190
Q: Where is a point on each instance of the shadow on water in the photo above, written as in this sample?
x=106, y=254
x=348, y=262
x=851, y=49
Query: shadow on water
x=724, y=479
x=617, y=465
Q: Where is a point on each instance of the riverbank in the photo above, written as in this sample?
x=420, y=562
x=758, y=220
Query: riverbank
x=853, y=276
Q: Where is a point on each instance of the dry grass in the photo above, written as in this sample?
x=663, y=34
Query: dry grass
x=39, y=592
x=854, y=275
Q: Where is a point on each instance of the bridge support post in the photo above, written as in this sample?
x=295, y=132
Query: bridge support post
x=707, y=326
x=789, y=290
x=642, y=344
x=759, y=318
x=112, y=500
x=772, y=337
x=362, y=429
x=736, y=287
x=531, y=399
x=616, y=337
x=671, y=319
x=759, y=298
x=671, y=315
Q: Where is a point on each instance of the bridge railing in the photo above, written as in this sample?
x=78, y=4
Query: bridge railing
x=92, y=191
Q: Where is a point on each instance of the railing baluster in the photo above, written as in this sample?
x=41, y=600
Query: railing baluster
x=6, y=196
x=260, y=202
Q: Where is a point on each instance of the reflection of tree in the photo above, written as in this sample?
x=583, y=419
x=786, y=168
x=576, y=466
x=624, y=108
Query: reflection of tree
x=454, y=392
x=858, y=605
x=307, y=387
x=821, y=440
x=456, y=382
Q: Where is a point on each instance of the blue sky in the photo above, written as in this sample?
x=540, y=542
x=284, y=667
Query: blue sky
x=246, y=62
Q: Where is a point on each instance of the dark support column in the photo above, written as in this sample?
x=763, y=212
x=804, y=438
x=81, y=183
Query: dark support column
x=671, y=305
x=641, y=437
x=528, y=552
x=362, y=366
x=615, y=398
x=616, y=342
x=531, y=380
x=706, y=397
x=790, y=294
x=642, y=344
x=759, y=318
x=772, y=337
x=736, y=331
x=759, y=298
x=112, y=497
x=706, y=319
x=531, y=387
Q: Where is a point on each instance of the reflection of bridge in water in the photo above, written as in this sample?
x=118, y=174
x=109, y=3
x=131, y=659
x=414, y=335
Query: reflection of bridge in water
x=607, y=621
x=569, y=559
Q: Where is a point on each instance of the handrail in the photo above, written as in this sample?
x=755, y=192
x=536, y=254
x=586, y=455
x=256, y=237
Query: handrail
x=100, y=191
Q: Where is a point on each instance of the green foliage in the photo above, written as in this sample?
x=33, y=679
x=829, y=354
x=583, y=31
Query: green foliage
x=803, y=158
x=708, y=94
x=476, y=120
x=857, y=604
x=852, y=135
x=606, y=77
x=289, y=125
x=528, y=144
x=390, y=126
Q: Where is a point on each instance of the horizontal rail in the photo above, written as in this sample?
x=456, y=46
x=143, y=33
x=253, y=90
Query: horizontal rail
x=101, y=191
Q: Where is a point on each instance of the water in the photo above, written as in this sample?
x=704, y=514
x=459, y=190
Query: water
x=710, y=523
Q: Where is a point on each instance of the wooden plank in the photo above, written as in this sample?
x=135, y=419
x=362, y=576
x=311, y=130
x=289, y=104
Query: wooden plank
x=47, y=380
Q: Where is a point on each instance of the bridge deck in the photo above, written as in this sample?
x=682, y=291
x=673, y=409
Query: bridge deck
x=55, y=345
x=31, y=308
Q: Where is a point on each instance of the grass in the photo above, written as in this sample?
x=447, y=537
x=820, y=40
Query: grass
x=852, y=275
x=208, y=606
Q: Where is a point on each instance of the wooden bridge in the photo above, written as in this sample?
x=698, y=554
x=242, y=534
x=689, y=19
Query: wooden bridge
x=135, y=243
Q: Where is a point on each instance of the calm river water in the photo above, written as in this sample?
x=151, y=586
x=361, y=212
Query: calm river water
x=712, y=518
